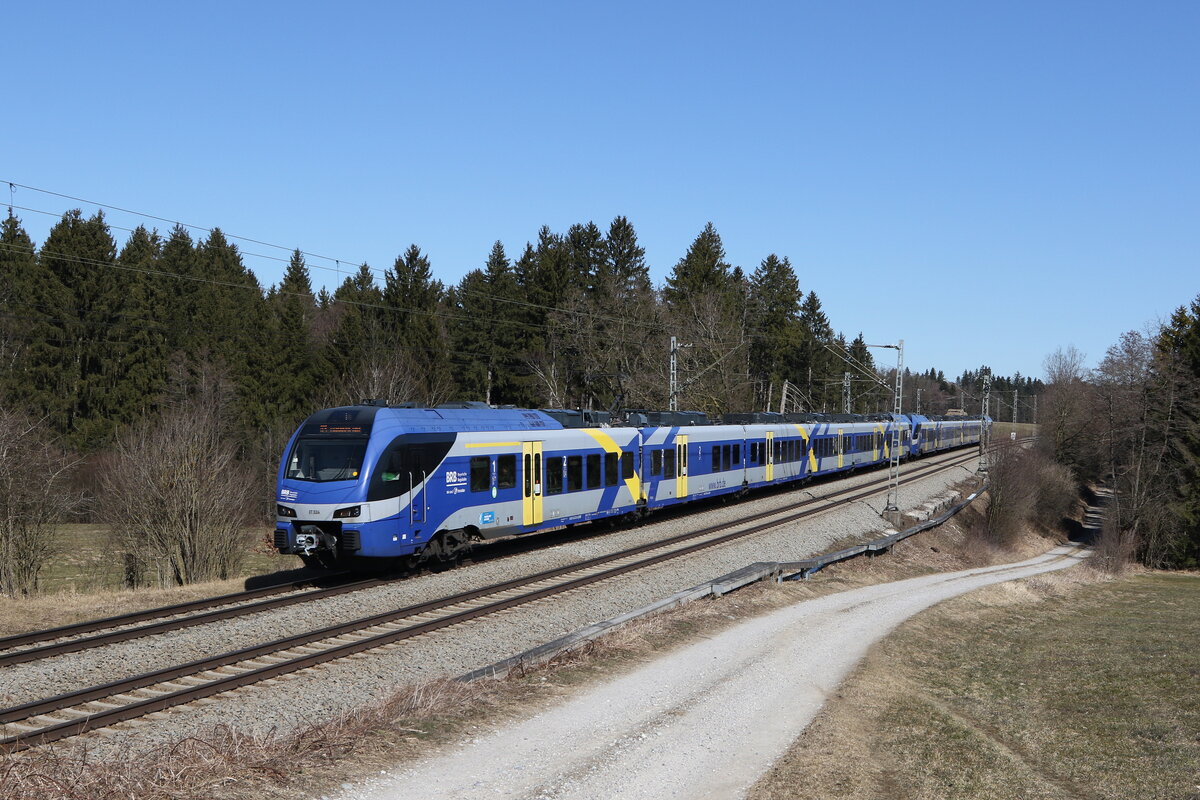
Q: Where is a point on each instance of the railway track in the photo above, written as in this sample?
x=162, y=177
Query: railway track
x=37, y=645
x=73, y=713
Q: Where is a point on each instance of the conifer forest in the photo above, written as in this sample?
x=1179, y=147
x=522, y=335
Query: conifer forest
x=104, y=343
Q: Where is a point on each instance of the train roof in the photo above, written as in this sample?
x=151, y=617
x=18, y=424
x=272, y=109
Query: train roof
x=358, y=420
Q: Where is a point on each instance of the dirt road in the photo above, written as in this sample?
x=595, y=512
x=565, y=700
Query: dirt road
x=703, y=721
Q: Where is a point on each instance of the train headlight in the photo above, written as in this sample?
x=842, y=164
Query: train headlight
x=347, y=512
x=284, y=511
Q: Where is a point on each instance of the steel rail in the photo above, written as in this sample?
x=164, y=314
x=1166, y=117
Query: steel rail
x=235, y=604
x=88, y=626
x=124, y=635
x=223, y=683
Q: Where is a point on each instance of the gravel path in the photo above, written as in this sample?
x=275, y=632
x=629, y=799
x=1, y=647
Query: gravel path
x=704, y=721
x=338, y=687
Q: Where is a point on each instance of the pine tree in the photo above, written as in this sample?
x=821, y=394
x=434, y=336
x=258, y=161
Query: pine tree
x=776, y=349
x=300, y=370
x=231, y=306
x=1177, y=356
x=549, y=283
x=32, y=327
x=625, y=260
x=357, y=333
x=81, y=254
x=861, y=354
x=702, y=269
x=707, y=306
x=819, y=365
x=415, y=318
x=178, y=261
x=586, y=258
x=143, y=364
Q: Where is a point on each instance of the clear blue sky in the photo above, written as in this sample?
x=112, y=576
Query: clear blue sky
x=986, y=181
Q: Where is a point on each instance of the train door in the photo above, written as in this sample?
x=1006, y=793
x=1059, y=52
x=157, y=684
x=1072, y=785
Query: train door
x=531, y=483
x=681, y=466
x=417, y=475
x=770, y=459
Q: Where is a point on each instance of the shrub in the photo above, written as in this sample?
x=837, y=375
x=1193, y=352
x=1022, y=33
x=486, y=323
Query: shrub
x=35, y=495
x=176, y=497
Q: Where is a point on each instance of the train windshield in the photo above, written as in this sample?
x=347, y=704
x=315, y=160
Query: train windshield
x=324, y=459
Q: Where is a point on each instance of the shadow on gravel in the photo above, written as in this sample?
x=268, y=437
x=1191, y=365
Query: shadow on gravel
x=287, y=576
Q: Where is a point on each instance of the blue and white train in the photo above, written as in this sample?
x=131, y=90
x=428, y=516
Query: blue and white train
x=423, y=484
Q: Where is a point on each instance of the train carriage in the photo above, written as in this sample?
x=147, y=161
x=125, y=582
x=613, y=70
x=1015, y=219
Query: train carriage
x=378, y=482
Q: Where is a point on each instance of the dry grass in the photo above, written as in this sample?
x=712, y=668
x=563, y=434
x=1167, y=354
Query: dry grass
x=84, y=583
x=1001, y=430
x=302, y=764
x=1071, y=684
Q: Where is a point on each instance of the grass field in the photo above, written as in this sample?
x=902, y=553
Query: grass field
x=1001, y=430
x=84, y=561
x=1046, y=688
x=83, y=581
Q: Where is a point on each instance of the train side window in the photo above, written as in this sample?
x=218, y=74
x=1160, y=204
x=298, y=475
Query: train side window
x=594, y=478
x=610, y=469
x=481, y=473
x=669, y=463
x=737, y=455
x=506, y=472
x=752, y=453
x=803, y=450
x=574, y=473
x=527, y=480
x=627, y=465
x=656, y=459
x=725, y=452
x=778, y=451
x=716, y=458
x=554, y=475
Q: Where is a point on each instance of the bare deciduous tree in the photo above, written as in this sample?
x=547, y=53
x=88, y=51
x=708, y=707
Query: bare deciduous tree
x=1012, y=494
x=177, y=496
x=384, y=376
x=1066, y=413
x=1136, y=417
x=35, y=495
x=714, y=371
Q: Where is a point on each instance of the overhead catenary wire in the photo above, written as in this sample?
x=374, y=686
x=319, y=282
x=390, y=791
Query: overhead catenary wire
x=307, y=254
x=747, y=334
x=655, y=326
x=443, y=314
x=199, y=279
